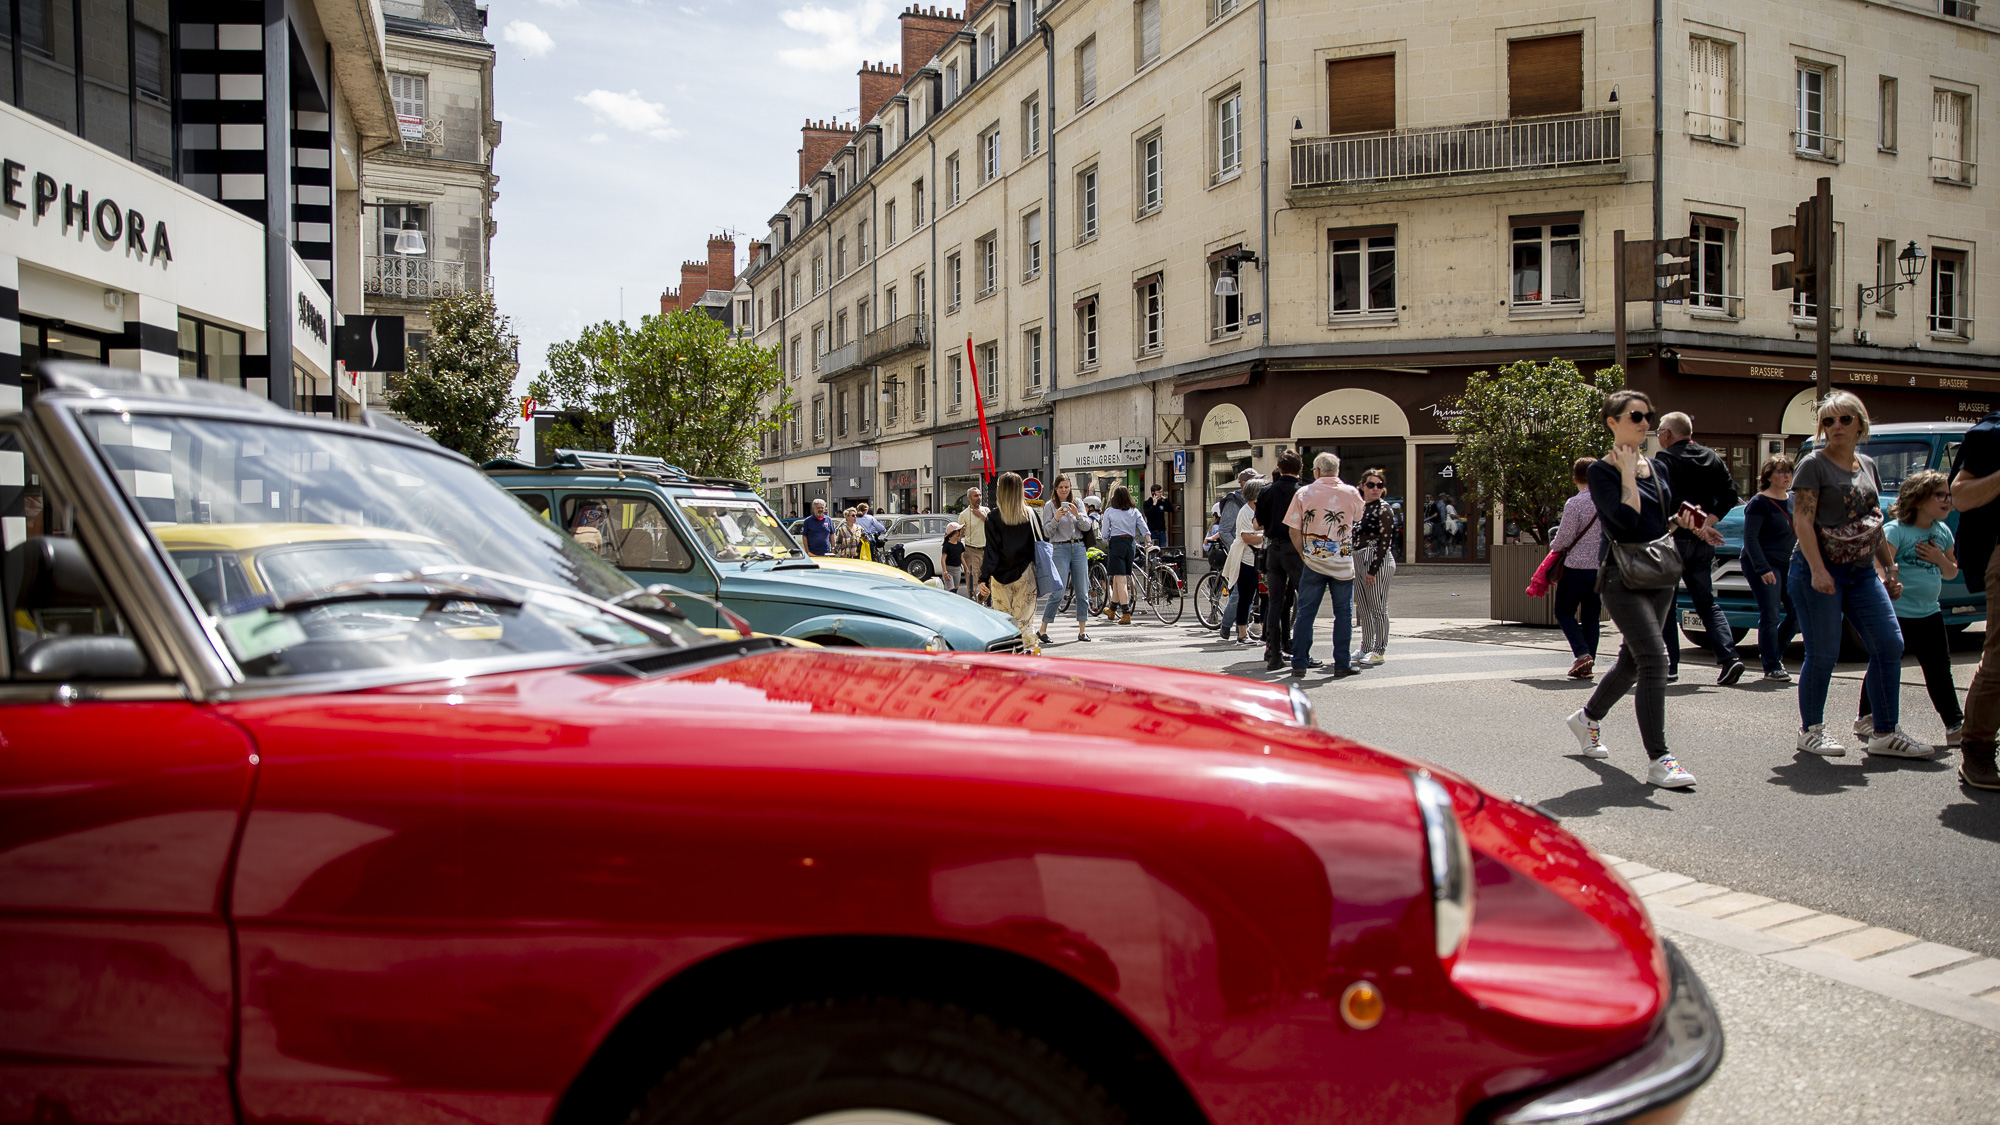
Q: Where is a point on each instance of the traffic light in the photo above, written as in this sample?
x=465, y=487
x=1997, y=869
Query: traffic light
x=1800, y=242
x=1658, y=270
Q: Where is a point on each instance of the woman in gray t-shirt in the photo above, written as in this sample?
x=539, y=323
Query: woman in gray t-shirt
x=1837, y=515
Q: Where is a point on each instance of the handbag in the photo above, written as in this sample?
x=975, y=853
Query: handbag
x=1850, y=542
x=1047, y=581
x=1652, y=565
x=1547, y=573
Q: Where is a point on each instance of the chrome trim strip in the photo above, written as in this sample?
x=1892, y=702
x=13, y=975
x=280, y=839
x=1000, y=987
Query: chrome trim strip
x=109, y=691
x=1682, y=1053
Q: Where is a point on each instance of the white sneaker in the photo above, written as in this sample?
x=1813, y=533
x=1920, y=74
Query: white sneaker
x=1896, y=744
x=1668, y=774
x=1373, y=659
x=1587, y=739
x=1815, y=740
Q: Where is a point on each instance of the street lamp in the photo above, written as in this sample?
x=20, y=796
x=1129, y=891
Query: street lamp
x=1910, y=262
x=410, y=240
x=1225, y=282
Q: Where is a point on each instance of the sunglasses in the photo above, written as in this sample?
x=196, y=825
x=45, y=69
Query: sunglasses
x=1373, y=484
x=1843, y=419
x=1645, y=416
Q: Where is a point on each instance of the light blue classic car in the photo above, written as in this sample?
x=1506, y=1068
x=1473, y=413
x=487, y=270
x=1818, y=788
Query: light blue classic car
x=718, y=538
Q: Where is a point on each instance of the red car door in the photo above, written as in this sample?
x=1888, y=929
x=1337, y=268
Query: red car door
x=119, y=803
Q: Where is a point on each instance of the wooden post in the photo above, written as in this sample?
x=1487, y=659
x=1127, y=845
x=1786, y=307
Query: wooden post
x=1824, y=292
x=1618, y=299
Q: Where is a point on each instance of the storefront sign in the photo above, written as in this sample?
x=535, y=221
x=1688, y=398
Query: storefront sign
x=411, y=127
x=901, y=478
x=1225, y=424
x=312, y=321
x=826, y=470
x=1350, y=413
x=114, y=225
x=1744, y=365
x=870, y=458
x=1102, y=454
x=377, y=343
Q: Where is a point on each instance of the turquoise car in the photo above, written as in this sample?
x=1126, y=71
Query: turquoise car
x=718, y=538
x=1899, y=449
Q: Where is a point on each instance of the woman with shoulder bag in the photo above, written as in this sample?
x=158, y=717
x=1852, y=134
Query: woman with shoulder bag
x=1636, y=580
x=1837, y=516
x=1007, y=569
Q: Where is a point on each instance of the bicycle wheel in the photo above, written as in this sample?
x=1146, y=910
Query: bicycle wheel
x=1100, y=588
x=1168, y=596
x=1209, y=599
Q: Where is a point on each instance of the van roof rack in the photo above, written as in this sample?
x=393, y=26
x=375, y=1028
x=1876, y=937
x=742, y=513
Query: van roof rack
x=593, y=461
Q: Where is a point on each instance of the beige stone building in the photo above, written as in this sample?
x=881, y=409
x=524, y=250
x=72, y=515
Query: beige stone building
x=1058, y=195
x=440, y=177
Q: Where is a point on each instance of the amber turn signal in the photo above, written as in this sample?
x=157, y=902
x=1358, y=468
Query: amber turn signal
x=1361, y=1005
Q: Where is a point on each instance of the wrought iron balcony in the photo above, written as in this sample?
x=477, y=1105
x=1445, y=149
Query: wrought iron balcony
x=417, y=279
x=904, y=334
x=1521, y=144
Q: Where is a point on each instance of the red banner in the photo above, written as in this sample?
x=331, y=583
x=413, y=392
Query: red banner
x=985, y=442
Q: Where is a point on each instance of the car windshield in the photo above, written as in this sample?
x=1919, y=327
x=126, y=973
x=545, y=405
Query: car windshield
x=1896, y=459
x=737, y=527
x=321, y=551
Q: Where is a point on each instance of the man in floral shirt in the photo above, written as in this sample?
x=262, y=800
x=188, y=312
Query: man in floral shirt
x=1322, y=519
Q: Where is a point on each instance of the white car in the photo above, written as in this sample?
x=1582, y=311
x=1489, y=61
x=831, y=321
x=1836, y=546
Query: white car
x=922, y=540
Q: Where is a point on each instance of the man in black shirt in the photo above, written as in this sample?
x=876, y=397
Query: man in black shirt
x=1281, y=560
x=1158, y=507
x=1701, y=477
x=1975, y=492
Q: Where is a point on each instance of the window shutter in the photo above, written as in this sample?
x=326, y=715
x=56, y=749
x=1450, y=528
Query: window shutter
x=1035, y=227
x=407, y=92
x=1718, y=90
x=1698, y=124
x=1149, y=31
x=1946, y=127
x=1087, y=65
x=1361, y=94
x=1545, y=75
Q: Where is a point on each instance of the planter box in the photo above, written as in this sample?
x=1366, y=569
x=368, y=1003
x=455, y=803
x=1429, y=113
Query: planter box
x=1513, y=565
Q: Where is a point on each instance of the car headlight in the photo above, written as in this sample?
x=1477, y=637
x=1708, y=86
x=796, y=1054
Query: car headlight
x=936, y=643
x=1450, y=862
x=1302, y=708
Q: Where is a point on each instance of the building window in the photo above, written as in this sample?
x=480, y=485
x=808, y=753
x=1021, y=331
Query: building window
x=889, y=305
x=1951, y=311
x=861, y=239
x=390, y=223
x=796, y=289
x=956, y=383
x=1951, y=143
x=1086, y=334
x=819, y=275
x=1361, y=94
x=840, y=328
x=1152, y=173
x=917, y=218
x=840, y=413
x=1031, y=246
x=1545, y=75
x=988, y=249
x=1548, y=264
x=1812, y=133
x=1885, y=114
x=211, y=352
x=1887, y=275
x=1712, y=273
x=889, y=398
x=1086, y=195
x=1958, y=9
x=861, y=321
x=743, y=313
x=989, y=362
x=1031, y=128
x=989, y=154
x=1086, y=72
x=1146, y=33
x=1220, y=8
x=1225, y=313
x=1228, y=136
x=1031, y=354
x=1710, y=64
x=798, y=424
x=1151, y=315
x=819, y=346
x=951, y=181
x=889, y=223
x=864, y=396
x=1805, y=310
x=954, y=282
x=923, y=296
x=1361, y=272
x=819, y=419
x=951, y=82
x=409, y=92
x=988, y=50
x=922, y=379
x=793, y=366
x=840, y=257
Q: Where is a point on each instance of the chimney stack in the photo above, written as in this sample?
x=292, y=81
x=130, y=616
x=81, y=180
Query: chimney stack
x=879, y=83
x=925, y=32
x=722, y=262
x=819, y=140
x=694, y=282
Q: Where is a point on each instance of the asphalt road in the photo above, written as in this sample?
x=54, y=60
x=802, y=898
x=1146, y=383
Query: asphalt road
x=1896, y=844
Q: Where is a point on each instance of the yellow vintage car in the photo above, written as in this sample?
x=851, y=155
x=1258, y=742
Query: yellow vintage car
x=222, y=563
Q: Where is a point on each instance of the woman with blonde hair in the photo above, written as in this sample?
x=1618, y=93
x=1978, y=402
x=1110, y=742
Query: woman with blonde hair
x=847, y=536
x=1008, y=569
x=1837, y=516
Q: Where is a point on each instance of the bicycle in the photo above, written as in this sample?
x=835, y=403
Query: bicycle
x=1211, y=597
x=1100, y=585
x=1160, y=585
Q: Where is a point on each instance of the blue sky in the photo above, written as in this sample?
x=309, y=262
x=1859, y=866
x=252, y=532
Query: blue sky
x=634, y=129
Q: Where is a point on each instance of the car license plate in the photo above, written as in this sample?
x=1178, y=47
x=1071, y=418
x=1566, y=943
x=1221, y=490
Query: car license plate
x=1692, y=620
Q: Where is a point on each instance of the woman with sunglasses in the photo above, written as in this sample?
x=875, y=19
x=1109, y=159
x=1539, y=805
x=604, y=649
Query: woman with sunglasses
x=1635, y=505
x=1375, y=561
x=1837, y=516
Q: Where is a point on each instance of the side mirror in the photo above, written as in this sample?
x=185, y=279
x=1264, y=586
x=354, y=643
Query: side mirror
x=82, y=658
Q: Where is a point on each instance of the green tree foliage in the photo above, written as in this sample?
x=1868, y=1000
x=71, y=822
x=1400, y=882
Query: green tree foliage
x=461, y=392
x=674, y=386
x=1519, y=432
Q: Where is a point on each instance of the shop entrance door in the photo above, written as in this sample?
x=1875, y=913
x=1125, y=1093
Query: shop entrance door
x=1450, y=527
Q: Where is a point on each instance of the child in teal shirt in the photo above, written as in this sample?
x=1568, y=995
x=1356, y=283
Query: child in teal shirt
x=1924, y=560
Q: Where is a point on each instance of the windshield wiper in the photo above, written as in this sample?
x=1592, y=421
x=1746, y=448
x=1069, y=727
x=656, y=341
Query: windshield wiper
x=437, y=592
x=658, y=592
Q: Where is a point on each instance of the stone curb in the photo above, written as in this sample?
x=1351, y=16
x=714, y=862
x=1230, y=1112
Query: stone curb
x=1938, y=978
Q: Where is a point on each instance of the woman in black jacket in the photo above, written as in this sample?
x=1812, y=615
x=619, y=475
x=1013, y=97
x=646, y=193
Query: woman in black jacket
x=1635, y=504
x=1008, y=572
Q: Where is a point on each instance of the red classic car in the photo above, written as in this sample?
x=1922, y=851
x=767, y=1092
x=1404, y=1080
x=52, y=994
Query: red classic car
x=337, y=788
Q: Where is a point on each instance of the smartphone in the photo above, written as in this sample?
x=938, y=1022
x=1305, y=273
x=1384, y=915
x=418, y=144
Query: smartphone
x=1693, y=513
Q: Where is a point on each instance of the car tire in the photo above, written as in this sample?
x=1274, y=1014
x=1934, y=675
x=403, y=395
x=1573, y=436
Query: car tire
x=1699, y=637
x=925, y=1060
x=920, y=568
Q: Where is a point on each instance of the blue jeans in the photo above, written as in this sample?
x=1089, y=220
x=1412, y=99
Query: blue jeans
x=1312, y=587
x=1072, y=568
x=1858, y=595
x=1774, y=604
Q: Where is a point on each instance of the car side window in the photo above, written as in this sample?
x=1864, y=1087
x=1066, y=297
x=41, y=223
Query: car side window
x=61, y=624
x=629, y=532
x=539, y=502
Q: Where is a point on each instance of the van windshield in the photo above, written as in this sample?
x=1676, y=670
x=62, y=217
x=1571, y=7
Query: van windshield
x=737, y=528
x=1896, y=459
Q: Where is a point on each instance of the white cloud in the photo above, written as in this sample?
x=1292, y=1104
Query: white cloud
x=847, y=35
x=532, y=40
x=560, y=3
x=596, y=138
x=631, y=112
